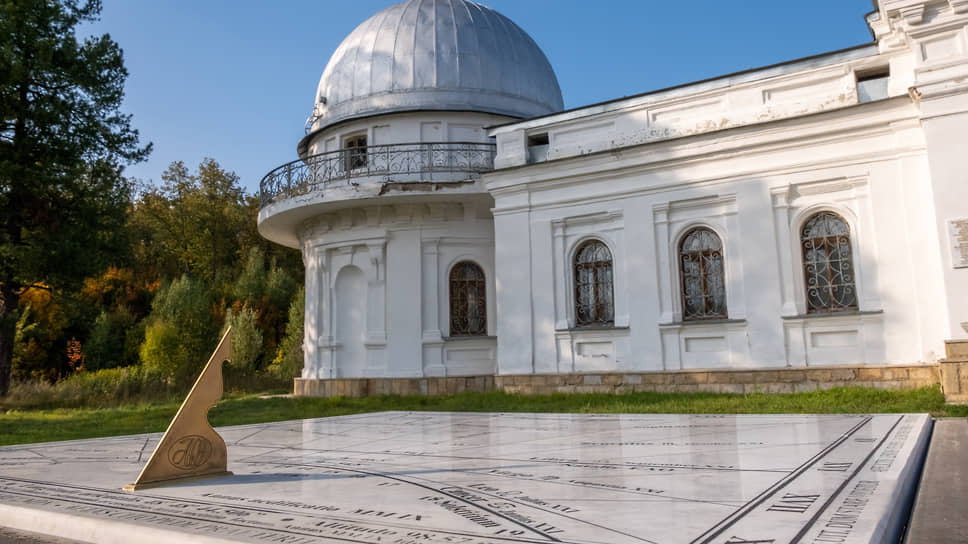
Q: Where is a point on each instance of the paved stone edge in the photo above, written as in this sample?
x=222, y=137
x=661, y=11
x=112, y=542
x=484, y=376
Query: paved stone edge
x=938, y=514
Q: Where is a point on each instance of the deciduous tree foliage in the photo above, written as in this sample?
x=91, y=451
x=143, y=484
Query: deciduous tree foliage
x=192, y=223
x=63, y=141
x=181, y=330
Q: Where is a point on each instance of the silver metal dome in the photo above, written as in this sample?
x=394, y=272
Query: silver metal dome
x=436, y=55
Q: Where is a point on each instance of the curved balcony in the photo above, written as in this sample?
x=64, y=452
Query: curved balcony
x=420, y=162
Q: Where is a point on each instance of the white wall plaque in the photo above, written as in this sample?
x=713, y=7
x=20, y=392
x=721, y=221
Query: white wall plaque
x=958, y=236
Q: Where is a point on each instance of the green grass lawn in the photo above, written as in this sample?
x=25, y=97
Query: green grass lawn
x=26, y=426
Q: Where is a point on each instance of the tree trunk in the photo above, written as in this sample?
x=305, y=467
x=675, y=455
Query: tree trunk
x=9, y=298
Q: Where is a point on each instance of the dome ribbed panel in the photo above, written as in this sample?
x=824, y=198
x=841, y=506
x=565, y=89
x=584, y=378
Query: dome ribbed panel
x=381, y=66
x=468, y=47
x=437, y=55
x=446, y=66
x=406, y=31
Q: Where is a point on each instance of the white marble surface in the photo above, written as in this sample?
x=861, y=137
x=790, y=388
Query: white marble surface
x=449, y=478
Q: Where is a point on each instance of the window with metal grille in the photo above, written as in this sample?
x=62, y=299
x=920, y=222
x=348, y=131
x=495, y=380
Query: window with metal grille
x=468, y=306
x=593, y=285
x=355, y=147
x=828, y=266
x=701, y=270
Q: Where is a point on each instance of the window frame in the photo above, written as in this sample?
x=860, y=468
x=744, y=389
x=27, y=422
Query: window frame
x=576, y=287
x=451, y=303
x=680, y=254
x=355, y=155
x=852, y=258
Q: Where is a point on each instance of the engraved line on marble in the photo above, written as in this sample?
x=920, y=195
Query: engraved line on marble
x=560, y=514
x=15, y=461
x=101, y=508
x=364, y=473
x=840, y=488
x=727, y=522
x=528, y=505
x=31, y=496
x=454, y=496
x=677, y=453
x=144, y=448
x=408, y=470
x=491, y=511
x=60, y=444
x=532, y=460
x=523, y=503
x=248, y=436
x=574, y=483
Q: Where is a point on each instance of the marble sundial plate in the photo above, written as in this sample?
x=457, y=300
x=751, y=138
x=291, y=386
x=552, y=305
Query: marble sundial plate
x=465, y=478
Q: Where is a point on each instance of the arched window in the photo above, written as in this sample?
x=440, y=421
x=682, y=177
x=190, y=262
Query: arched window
x=468, y=306
x=828, y=266
x=593, y=285
x=701, y=269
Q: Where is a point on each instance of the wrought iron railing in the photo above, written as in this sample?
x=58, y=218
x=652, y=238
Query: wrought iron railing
x=394, y=162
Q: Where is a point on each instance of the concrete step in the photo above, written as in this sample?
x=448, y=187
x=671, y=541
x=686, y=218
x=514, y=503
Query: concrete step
x=940, y=513
x=956, y=349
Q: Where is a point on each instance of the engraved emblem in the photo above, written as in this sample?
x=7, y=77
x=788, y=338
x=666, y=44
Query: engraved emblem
x=190, y=452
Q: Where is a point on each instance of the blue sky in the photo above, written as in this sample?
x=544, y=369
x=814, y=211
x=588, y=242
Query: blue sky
x=235, y=80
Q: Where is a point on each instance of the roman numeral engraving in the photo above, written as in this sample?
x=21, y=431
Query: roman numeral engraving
x=835, y=467
x=797, y=504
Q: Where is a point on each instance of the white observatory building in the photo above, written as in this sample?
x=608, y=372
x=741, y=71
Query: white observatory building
x=784, y=228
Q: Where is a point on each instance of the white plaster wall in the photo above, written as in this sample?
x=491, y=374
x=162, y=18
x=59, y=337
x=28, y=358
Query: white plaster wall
x=750, y=156
x=349, y=322
x=932, y=37
x=947, y=150
x=519, y=326
x=407, y=128
x=755, y=187
x=377, y=297
x=796, y=89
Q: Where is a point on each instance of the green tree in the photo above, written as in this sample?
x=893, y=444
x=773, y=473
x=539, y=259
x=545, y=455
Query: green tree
x=192, y=223
x=181, y=330
x=268, y=293
x=251, y=284
x=63, y=142
x=289, y=361
x=40, y=325
x=108, y=345
x=246, y=339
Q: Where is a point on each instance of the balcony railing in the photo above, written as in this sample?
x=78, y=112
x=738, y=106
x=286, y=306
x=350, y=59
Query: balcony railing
x=395, y=162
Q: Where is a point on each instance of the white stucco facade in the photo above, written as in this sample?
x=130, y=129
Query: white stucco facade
x=874, y=136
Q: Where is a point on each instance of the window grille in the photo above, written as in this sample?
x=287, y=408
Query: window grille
x=828, y=266
x=468, y=306
x=701, y=270
x=593, y=285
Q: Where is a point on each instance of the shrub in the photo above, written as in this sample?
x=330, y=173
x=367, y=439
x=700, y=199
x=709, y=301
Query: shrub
x=280, y=287
x=181, y=331
x=107, y=346
x=162, y=352
x=246, y=339
x=252, y=281
x=289, y=361
x=101, y=389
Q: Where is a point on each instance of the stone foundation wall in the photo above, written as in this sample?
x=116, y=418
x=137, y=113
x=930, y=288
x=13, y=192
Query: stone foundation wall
x=954, y=372
x=368, y=387
x=780, y=380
